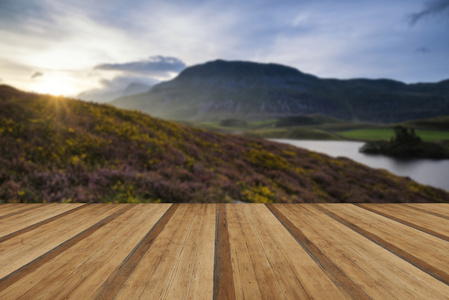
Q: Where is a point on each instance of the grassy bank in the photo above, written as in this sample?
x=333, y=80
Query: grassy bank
x=386, y=134
x=297, y=133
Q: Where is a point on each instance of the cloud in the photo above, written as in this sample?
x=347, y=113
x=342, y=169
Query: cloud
x=159, y=66
x=121, y=82
x=14, y=13
x=342, y=39
x=37, y=74
x=117, y=87
x=423, y=50
x=431, y=7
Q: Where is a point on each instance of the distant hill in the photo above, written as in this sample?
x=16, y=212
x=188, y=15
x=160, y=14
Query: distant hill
x=55, y=149
x=438, y=123
x=252, y=91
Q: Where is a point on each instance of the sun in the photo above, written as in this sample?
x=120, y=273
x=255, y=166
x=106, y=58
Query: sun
x=56, y=84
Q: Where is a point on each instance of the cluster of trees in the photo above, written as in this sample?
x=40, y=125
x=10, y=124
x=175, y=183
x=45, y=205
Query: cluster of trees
x=406, y=144
x=405, y=135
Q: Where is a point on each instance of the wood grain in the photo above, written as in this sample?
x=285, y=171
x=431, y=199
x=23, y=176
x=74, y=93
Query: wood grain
x=223, y=280
x=419, y=220
x=414, y=249
x=297, y=275
x=12, y=210
x=23, y=271
x=115, y=281
x=340, y=279
x=380, y=273
x=79, y=270
x=6, y=208
x=439, y=208
x=224, y=251
x=15, y=225
x=435, y=209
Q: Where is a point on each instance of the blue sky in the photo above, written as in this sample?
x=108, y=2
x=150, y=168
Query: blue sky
x=66, y=47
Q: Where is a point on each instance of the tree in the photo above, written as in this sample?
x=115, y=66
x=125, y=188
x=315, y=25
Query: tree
x=404, y=135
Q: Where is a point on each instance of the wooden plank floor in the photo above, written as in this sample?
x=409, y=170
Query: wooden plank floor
x=224, y=251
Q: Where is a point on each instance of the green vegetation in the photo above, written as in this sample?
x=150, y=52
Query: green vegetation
x=368, y=134
x=61, y=150
x=293, y=133
x=438, y=123
x=306, y=120
x=318, y=127
x=387, y=133
x=406, y=143
x=233, y=123
x=236, y=128
x=323, y=127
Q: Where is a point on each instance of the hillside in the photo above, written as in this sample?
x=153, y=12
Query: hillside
x=438, y=123
x=252, y=91
x=55, y=149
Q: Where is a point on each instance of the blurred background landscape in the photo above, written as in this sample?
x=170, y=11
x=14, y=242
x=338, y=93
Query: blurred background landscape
x=186, y=101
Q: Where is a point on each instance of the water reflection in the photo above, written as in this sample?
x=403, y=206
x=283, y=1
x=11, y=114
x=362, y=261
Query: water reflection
x=426, y=171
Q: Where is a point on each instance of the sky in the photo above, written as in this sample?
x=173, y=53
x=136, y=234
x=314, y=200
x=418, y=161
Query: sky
x=65, y=47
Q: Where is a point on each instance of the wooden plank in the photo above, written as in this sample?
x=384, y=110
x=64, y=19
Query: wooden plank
x=436, y=209
x=419, y=220
x=7, y=207
x=195, y=263
x=151, y=277
x=17, y=224
x=278, y=251
x=39, y=213
x=245, y=272
x=223, y=281
x=119, y=253
x=41, y=223
x=338, y=276
x=15, y=209
x=297, y=274
x=379, y=272
x=396, y=276
x=26, y=269
x=119, y=276
x=440, y=208
x=424, y=251
x=23, y=249
x=75, y=272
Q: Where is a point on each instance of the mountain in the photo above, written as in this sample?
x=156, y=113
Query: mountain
x=111, y=93
x=222, y=89
x=55, y=149
x=135, y=88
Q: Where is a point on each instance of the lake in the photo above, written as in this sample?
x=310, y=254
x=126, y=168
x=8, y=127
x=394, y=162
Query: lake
x=426, y=171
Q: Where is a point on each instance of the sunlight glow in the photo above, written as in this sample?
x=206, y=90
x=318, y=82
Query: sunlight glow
x=55, y=83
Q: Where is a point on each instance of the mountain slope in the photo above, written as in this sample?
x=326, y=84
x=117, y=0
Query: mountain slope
x=221, y=89
x=56, y=149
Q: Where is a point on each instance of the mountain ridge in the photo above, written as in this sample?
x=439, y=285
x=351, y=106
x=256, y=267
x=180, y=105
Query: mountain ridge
x=223, y=89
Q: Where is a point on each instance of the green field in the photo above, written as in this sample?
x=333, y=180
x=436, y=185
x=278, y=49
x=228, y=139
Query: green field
x=217, y=127
x=295, y=133
x=386, y=134
x=317, y=127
